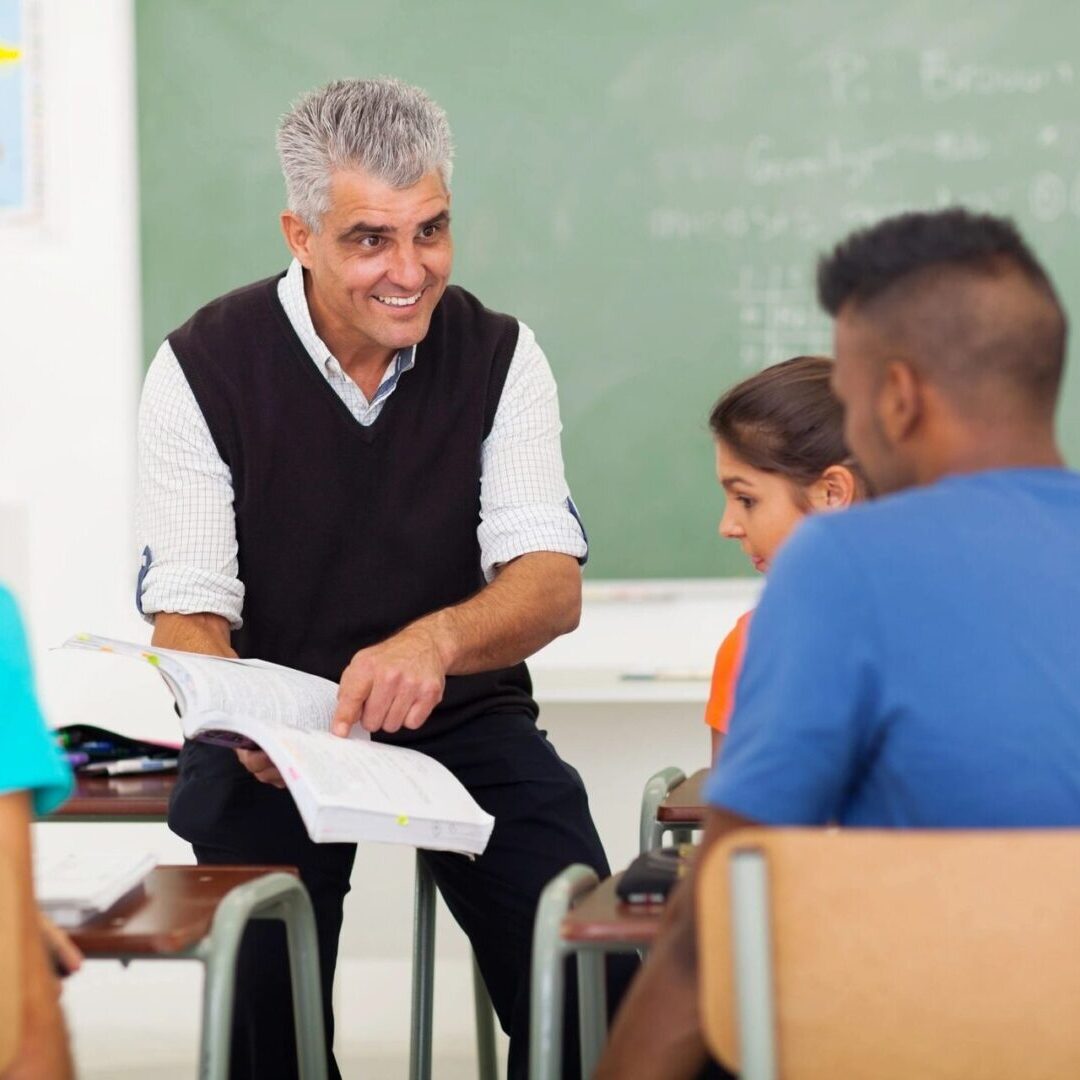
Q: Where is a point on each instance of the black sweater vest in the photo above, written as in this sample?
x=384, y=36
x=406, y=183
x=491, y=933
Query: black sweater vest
x=347, y=533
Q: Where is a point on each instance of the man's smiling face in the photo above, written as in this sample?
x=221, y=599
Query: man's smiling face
x=379, y=263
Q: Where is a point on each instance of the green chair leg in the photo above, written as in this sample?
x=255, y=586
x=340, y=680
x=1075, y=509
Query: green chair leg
x=423, y=989
x=275, y=896
x=487, y=1068
x=548, y=982
x=423, y=973
x=651, y=832
x=592, y=1008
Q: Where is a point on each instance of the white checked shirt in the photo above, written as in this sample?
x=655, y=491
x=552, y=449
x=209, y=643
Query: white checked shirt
x=187, y=529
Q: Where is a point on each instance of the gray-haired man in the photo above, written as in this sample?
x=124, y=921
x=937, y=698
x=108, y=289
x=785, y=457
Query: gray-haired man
x=354, y=469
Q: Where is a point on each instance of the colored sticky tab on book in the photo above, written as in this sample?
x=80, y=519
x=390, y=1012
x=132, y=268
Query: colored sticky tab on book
x=403, y=819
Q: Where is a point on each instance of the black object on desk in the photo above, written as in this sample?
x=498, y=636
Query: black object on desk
x=652, y=875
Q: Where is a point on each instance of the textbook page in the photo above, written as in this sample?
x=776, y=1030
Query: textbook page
x=357, y=774
x=355, y=789
x=235, y=690
x=345, y=788
x=275, y=695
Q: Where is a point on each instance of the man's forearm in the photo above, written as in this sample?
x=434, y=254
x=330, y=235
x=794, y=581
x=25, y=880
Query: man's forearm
x=398, y=682
x=531, y=602
x=201, y=633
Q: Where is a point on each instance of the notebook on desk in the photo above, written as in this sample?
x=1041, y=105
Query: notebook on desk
x=74, y=887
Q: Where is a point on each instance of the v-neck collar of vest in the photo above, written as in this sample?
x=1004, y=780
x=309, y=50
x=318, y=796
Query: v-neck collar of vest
x=365, y=432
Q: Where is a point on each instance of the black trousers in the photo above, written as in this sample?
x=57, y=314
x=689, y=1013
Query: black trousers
x=542, y=825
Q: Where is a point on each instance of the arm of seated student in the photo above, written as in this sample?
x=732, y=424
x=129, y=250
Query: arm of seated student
x=716, y=740
x=65, y=955
x=43, y=1044
x=532, y=600
x=211, y=635
x=657, y=1033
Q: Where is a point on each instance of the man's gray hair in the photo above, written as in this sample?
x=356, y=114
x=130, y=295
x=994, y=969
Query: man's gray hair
x=389, y=129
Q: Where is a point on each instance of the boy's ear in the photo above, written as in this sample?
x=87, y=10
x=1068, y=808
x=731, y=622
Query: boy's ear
x=835, y=489
x=900, y=401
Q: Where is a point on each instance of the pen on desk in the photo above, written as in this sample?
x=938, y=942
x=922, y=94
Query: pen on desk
x=126, y=766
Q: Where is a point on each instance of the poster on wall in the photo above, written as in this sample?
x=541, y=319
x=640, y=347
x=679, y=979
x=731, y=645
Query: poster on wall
x=19, y=118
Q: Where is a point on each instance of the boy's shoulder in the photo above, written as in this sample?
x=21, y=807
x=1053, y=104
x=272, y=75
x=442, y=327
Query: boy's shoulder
x=956, y=497
x=882, y=520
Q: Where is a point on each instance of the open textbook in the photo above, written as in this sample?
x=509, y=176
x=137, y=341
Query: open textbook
x=346, y=789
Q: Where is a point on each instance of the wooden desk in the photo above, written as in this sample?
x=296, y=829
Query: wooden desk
x=172, y=912
x=601, y=919
x=672, y=803
x=200, y=913
x=118, y=798
x=685, y=804
x=174, y=916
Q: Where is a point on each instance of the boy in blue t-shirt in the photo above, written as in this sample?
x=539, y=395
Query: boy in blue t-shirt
x=913, y=662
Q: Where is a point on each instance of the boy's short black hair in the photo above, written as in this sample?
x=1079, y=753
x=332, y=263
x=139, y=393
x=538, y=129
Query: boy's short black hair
x=866, y=263
x=920, y=276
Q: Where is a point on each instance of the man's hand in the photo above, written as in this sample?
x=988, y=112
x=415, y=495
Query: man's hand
x=392, y=685
x=261, y=767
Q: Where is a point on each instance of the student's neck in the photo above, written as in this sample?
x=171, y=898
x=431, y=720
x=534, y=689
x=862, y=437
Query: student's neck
x=1024, y=449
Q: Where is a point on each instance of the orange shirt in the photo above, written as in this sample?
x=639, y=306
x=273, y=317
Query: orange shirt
x=729, y=658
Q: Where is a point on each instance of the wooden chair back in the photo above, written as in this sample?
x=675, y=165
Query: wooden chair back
x=900, y=954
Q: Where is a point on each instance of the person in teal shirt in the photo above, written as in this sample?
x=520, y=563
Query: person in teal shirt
x=30, y=761
x=34, y=778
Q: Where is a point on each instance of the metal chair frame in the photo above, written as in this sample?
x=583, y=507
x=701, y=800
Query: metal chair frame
x=423, y=989
x=651, y=831
x=272, y=896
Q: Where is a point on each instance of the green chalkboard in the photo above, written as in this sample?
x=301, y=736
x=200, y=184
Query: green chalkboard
x=645, y=183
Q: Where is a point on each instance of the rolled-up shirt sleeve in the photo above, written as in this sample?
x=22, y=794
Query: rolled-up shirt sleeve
x=186, y=524
x=525, y=504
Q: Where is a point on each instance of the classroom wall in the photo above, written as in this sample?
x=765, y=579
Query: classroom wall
x=69, y=380
x=70, y=371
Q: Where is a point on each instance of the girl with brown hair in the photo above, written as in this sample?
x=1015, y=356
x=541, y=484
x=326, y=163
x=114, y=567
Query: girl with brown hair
x=780, y=455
